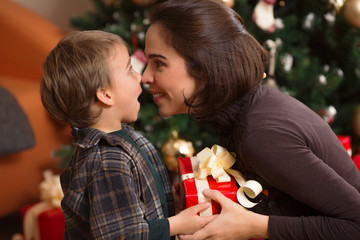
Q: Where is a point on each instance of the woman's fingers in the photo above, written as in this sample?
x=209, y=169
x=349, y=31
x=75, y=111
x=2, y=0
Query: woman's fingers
x=200, y=207
x=217, y=196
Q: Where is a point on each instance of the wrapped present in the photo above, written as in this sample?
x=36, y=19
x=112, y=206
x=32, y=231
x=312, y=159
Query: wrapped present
x=210, y=169
x=346, y=142
x=356, y=159
x=191, y=187
x=49, y=223
x=45, y=220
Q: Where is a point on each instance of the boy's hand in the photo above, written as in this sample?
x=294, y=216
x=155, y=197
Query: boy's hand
x=187, y=221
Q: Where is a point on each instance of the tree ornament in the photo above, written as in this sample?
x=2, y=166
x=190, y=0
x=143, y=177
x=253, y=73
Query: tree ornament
x=351, y=12
x=287, y=61
x=272, y=45
x=263, y=15
x=322, y=79
x=174, y=148
x=138, y=60
x=338, y=4
x=309, y=21
x=144, y=3
x=330, y=18
x=229, y=3
x=356, y=122
x=328, y=114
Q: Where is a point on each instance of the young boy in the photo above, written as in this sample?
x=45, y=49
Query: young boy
x=115, y=186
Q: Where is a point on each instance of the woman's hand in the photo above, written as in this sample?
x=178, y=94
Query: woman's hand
x=234, y=222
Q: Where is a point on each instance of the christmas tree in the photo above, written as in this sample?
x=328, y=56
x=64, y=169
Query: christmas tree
x=315, y=57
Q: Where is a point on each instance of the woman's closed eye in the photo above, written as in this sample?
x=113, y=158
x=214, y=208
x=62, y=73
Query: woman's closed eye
x=158, y=64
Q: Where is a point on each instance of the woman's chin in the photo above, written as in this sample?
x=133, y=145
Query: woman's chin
x=166, y=111
x=170, y=112
x=165, y=114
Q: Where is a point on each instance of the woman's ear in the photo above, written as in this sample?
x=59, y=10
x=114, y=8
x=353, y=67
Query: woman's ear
x=105, y=96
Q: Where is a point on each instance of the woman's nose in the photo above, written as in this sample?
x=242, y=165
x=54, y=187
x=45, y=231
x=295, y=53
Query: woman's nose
x=146, y=76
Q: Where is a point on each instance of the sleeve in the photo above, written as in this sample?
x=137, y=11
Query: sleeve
x=116, y=211
x=288, y=164
x=159, y=229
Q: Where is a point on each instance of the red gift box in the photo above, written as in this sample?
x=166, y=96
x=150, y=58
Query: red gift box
x=191, y=187
x=356, y=160
x=51, y=223
x=346, y=142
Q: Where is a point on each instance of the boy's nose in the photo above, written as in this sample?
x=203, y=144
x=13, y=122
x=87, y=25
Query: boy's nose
x=138, y=77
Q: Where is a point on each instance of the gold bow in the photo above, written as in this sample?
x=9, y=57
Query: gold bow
x=50, y=189
x=217, y=162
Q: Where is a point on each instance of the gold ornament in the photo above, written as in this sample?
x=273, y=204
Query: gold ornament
x=144, y=3
x=271, y=82
x=338, y=4
x=229, y=3
x=174, y=148
x=351, y=12
x=356, y=122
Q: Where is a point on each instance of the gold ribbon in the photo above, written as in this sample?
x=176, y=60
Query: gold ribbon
x=217, y=162
x=50, y=189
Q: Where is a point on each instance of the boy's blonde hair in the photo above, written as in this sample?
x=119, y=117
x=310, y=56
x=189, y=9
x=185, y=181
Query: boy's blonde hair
x=72, y=73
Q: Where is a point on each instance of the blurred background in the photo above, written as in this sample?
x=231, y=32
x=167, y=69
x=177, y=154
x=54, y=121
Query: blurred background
x=58, y=11
x=315, y=57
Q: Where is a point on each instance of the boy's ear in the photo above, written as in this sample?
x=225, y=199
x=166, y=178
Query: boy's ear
x=104, y=96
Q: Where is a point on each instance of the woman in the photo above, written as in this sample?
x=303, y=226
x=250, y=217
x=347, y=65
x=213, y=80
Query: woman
x=202, y=61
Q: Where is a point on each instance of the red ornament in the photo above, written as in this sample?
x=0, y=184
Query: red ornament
x=263, y=15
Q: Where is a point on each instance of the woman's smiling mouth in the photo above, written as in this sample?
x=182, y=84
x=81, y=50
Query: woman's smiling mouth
x=157, y=96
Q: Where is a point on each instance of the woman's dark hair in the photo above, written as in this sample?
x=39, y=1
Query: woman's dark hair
x=226, y=62
x=223, y=58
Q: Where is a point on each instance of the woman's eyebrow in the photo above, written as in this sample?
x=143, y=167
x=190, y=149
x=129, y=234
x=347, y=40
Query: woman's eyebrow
x=156, y=56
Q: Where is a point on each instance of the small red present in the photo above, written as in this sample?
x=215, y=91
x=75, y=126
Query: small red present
x=210, y=169
x=356, y=159
x=191, y=188
x=50, y=222
x=346, y=142
x=45, y=220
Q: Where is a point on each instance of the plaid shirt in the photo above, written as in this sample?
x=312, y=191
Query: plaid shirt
x=109, y=191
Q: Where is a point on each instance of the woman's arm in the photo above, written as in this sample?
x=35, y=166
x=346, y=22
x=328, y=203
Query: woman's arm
x=292, y=168
x=288, y=164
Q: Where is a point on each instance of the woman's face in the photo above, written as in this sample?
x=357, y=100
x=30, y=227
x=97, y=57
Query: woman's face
x=166, y=74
